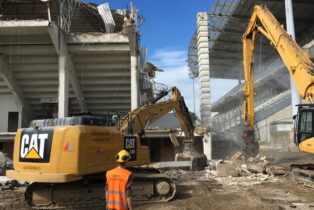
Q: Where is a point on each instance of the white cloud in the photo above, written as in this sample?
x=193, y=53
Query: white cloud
x=173, y=62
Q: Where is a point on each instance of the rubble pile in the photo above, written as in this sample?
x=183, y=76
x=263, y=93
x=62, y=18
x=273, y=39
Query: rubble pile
x=5, y=163
x=244, y=172
x=186, y=175
x=2, y=163
x=10, y=184
x=5, y=183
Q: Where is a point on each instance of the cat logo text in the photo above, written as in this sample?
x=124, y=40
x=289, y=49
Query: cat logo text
x=35, y=145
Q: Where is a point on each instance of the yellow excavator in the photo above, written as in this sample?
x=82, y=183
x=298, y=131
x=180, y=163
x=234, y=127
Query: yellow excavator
x=65, y=159
x=298, y=64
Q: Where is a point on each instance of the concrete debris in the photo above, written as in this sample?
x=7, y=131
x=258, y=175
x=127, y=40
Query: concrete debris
x=2, y=160
x=227, y=168
x=4, y=180
x=171, y=165
x=188, y=175
x=5, y=163
x=201, y=130
x=9, y=184
x=237, y=156
x=238, y=171
x=246, y=180
x=276, y=170
x=256, y=169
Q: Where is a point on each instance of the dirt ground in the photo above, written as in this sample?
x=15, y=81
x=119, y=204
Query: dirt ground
x=208, y=193
x=198, y=190
x=284, y=194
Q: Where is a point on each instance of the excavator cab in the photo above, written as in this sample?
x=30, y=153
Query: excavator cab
x=304, y=130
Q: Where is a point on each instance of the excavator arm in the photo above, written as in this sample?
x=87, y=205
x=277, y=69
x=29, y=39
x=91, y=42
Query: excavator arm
x=137, y=120
x=297, y=62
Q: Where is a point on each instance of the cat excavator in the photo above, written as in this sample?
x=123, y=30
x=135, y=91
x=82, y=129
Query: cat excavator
x=301, y=70
x=65, y=159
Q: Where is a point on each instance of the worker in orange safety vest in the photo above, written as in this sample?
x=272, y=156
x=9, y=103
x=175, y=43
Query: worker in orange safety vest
x=118, y=186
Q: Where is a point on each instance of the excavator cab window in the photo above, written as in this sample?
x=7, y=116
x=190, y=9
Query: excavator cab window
x=305, y=125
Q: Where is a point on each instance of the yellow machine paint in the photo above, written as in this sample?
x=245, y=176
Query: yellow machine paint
x=75, y=151
x=299, y=66
x=66, y=158
x=307, y=145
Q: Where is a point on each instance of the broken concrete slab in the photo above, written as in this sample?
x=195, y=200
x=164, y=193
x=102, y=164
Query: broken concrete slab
x=4, y=180
x=237, y=156
x=256, y=169
x=227, y=168
x=3, y=160
x=276, y=170
x=171, y=165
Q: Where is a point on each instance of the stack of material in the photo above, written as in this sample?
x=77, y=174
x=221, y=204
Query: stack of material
x=2, y=163
x=5, y=163
x=240, y=171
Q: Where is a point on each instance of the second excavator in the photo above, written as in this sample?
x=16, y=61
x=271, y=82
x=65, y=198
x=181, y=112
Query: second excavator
x=301, y=70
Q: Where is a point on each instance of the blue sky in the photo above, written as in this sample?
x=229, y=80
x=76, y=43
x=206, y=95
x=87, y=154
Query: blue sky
x=166, y=32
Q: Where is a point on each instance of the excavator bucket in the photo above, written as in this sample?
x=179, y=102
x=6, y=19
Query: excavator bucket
x=198, y=161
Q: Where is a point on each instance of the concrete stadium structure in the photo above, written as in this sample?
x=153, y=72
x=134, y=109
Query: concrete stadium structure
x=64, y=57
x=227, y=20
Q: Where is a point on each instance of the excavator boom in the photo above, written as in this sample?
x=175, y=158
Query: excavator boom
x=297, y=62
x=136, y=120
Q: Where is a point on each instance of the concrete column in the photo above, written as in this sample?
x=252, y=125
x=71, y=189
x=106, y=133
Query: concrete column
x=204, y=77
x=132, y=33
x=63, y=94
x=134, y=83
x=295, y=98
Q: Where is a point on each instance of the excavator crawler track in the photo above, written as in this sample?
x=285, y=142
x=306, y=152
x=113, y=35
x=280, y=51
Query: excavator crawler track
x=149, y=186
x=304, y=174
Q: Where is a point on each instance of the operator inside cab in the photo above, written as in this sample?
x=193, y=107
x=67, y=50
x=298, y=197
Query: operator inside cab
x=118, y=185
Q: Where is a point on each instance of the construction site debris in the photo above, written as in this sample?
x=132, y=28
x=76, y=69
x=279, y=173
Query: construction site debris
x=201, y=130
x=227, y=168
x=5, y=163
x=276, y=170
x=171, y=165
x=8, y=184
x=237, y=156
x=3, y=180
x=256, y=169
x=187, y=175
x=246, y=180
x=2, y=163
x=245, y=172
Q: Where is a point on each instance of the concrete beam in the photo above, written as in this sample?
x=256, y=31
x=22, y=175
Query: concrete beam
x=27, y=50
x=58, y=40
x=24, y=40
x=14, y=87
x=99, y=48
x=23, y=23
x=29, y=27
x=97, y=38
